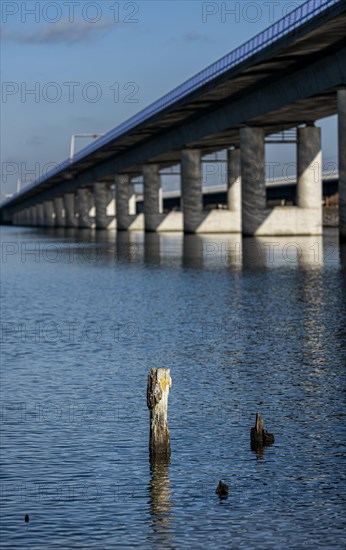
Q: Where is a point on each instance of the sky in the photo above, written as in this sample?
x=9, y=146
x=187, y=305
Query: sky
x=84, y=67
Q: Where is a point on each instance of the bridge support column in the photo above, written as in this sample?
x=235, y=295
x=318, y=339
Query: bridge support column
x=304, y=219
x=84, y=206
x=111, y=207
x=40, y=215
x=309, y=173
x=254, y=198
x=153, y=206
x=342, y=162
x=191, y=189
x=101, y=197
x=28, y=217
x=125, y=202
x=33, y=216
x=234, y=189
x=70, y=210
x=233, y=180
x=309, y=180
x=48, y=210
x=59, y=210
x=25, y=217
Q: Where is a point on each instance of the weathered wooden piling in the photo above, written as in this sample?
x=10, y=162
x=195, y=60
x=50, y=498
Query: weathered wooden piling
x=259, y=436
x=159, y=383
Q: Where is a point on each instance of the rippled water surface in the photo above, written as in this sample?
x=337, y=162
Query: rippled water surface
x=244, y=326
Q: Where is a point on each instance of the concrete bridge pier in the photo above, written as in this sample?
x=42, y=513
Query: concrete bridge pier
x=198, y=220
x=342, y=161
x=303, y=219
x=70, y=210
x=126, y=204
x=59, y=212
x=309, y=181
x=21, y=217
x=40, y=214
x=103, y=197
x=48, y=214
x=152, y=191
x=33, y=216
x=111, y=207
x=191, y=189
x=25, y=217
x=254, y=199
x=234, y=189
x=84, y=205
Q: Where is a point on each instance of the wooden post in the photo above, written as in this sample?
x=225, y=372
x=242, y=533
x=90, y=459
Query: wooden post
x=259, y=436
x=221, y=489
x=159, y=383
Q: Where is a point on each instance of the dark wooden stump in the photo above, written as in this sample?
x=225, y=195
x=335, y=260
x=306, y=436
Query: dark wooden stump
x=221, y=489
x=159, y=383
x=259, y=436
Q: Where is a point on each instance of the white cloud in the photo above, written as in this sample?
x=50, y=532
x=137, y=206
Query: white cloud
x=62, y=32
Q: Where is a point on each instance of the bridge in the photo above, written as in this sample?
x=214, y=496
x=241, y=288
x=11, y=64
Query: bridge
x=284, y=78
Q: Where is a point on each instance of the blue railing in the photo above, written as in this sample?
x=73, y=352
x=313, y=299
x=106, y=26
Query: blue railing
x=281, y=28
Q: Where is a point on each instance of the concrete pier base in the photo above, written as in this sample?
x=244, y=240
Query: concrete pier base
x=84, y=208
x=342, y=162
x=33, y=216
x=102, y=197
x=70, y=210
x=59, y=212
x=254, y=199
x=309, y=180
x=153, y=210
x=111, y=209
x=234, y=187
x=304, y=219
x=309, y=173
x=191, y=189
x=26, y=217
x=197, y=220
x=40, y=215
x=48, y=209
x=126, y=217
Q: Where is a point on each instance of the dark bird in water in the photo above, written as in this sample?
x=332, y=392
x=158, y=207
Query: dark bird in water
x=26, y=518
x=221, y=489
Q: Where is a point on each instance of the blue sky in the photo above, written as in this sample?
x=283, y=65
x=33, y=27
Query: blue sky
x=92, y=65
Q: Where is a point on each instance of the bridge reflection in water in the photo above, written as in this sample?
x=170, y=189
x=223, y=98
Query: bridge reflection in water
x=193, y=251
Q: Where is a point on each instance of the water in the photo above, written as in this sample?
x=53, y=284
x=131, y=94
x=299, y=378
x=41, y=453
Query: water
x=245, y=326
